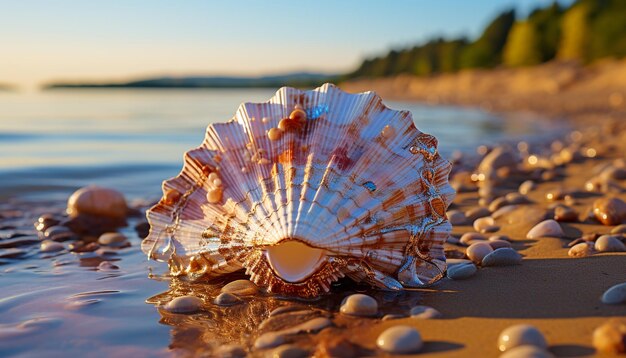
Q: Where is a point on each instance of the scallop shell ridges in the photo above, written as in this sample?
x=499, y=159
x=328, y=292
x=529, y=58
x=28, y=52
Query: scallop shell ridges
x=350, y=180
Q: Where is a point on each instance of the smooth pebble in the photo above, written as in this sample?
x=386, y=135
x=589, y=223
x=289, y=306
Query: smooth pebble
x=400, y=340
x=615, y=295
x=485, y=224
x=184, y=304
x=51, y=246
x=610, y=243
x=94, y=200
x=519, y=335
x=610, y=211
x=583, y=249
x=502, y=257
x=546, y=228
x=241, y=288
x=476, y=213
x=499, y=244
x=457, y=217
x=471, y=237
x=477, y=251
x=269, y=340
x=359, y=305
x=619, y=229
x=462, y=271
x=610, y=337
x=526, y=187
x=226, y=299
x=112, y=239
x=107, y=266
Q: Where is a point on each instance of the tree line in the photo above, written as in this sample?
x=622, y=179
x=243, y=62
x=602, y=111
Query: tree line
x=585, y=31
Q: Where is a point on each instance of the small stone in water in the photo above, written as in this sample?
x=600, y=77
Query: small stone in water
x=477, y=251
x=547, y=228
x=93, y=200
x=107, y=266
x=462, y=271
x=184, y=304
x=241, y=288
x=112, y=239
x=269, y=340
x=519, y=335
x=615, y=295
x=51, y=246
x=400, y=340
x=526, y=351
x=289, y=351
x=583, y=249
x=56, y=230
x=226, y=299
x=502, y=257
x=424, y=312
x=359, y=305
x=610, y=243
x=610, y=337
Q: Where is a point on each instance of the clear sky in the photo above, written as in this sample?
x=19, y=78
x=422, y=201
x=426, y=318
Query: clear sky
x=120, y=39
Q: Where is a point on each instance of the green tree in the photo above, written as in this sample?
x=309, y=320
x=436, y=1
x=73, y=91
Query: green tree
x=523, y=45
x=547, y=22
x=487, y=50
x=575, y=30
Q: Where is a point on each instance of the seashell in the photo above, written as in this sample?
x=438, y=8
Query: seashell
x=546, y=228
x=349, y=188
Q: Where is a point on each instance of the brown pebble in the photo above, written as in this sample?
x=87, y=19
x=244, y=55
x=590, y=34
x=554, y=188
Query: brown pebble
x=476, y=213
x=471, y=237
x=610, y=337
x=610, y=211
x=565, y=214
x=583, y=249
x=241, y=288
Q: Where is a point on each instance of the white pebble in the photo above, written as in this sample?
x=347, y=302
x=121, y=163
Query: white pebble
x=93, y=200
x=486, y=224
x=51, y=246
x=112, y=239
x=526, y=187
x=462, y=271
x=269, y=340
x=615, y=295
x=609, y=243
x=240, y=288
x=184, y=304
x=519, y=335
x=226, y=299
x=359, y=305
x=502, y=257
x=547, y=228
x=477, y=251
x=583, y=249
x=400, y=340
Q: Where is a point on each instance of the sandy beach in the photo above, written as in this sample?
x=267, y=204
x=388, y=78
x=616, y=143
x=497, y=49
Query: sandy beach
x=557, y=293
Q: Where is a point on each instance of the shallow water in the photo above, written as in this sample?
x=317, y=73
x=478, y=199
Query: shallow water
x=54, y=142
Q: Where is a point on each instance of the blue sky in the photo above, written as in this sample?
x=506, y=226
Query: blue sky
x=121, y=39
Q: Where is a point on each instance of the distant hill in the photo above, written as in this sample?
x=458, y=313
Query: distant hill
x=296, y=79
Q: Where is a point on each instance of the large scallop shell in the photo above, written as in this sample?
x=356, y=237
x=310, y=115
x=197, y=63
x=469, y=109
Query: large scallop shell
x=307, y=188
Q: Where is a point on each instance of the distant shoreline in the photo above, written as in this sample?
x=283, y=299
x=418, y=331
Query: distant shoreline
x=298, y=79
